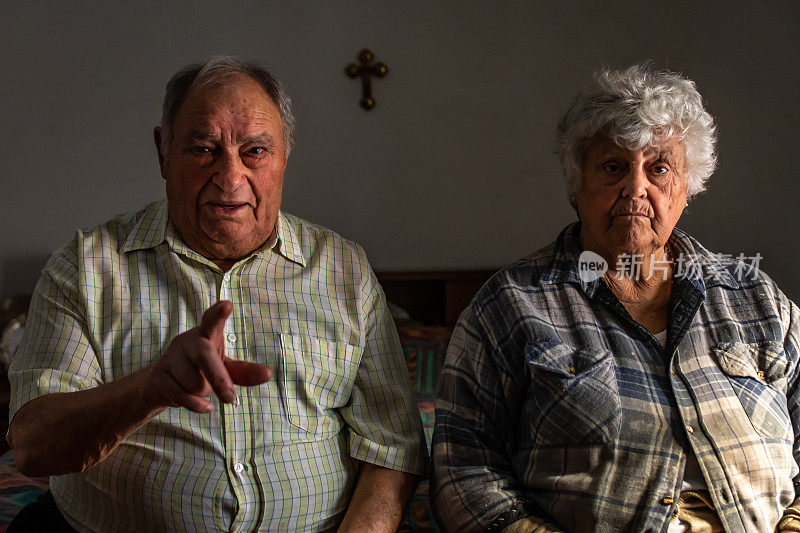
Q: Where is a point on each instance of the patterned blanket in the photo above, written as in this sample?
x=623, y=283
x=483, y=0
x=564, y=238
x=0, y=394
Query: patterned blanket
x=16, y=490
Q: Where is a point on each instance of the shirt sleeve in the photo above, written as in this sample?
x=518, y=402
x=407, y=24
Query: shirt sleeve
x=385, y=428
x=791, y=347
x=473, y=486
x=55, y=354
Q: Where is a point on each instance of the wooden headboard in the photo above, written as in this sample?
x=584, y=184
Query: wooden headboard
x=433, y=296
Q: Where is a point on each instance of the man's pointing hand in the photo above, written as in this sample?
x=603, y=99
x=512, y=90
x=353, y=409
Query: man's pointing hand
x=194, y=366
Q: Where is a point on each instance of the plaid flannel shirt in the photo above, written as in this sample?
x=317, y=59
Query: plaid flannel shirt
x=555, y=403
x=283, y=456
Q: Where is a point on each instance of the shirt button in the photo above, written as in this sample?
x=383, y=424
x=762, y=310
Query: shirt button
x=666, y=500
x=689, y=429
x=761, y=375
x=231, y=338
x=571, y=369
x=238, y=467
x=236, y=401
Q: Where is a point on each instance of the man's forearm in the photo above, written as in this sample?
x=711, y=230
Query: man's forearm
x=380, y=497
x=69, y=432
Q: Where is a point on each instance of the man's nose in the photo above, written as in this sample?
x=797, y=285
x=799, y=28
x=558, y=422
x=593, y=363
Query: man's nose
x=635, y=182
x=230, y=171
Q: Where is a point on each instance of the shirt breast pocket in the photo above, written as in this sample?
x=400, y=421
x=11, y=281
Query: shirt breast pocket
x=573, y=397
x=757, y=373
x=316, y=378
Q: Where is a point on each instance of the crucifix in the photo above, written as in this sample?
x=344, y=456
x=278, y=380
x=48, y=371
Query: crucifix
x=365, y=71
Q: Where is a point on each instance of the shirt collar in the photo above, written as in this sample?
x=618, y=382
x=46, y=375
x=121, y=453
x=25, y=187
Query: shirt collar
x=149, y=230
x=563, y=267
x=287, y=244
x=713, y=269
x=154, y=228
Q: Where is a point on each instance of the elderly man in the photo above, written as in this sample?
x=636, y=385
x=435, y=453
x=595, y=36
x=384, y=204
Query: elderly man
x=143, y=382
x=624, y=378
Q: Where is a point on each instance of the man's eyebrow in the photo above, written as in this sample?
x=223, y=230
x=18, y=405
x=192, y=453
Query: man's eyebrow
x=261, y=138
x=199, y=135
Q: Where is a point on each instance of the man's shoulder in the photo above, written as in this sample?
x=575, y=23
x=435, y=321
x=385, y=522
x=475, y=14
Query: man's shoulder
x=315, y=239
x=117, y=230
x=94, y=251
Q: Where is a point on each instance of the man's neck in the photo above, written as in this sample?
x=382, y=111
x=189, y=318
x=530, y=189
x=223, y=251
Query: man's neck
x=226, y=263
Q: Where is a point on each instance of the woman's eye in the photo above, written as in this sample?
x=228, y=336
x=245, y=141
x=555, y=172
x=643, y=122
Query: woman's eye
x=660, y=169
x=611, y=168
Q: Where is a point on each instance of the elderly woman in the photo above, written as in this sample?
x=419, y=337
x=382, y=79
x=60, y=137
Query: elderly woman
x=623, y=378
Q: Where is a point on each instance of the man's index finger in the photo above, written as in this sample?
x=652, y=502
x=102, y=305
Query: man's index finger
x=213, y=321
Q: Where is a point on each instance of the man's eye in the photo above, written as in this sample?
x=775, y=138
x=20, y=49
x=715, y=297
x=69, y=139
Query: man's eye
x=200, y=150
x=257, y=150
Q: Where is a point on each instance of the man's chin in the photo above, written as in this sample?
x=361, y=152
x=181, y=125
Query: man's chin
x=224, y=238
x=225, y=233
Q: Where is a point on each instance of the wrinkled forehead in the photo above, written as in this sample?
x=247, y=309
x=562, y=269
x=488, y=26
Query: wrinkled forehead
x=236, y=93
x=239, y=103
x=671, y=149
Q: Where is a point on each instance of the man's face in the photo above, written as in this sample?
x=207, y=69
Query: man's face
x=630, y=200
x=224, y=169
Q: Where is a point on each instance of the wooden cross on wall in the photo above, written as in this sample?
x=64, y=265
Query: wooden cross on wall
x=365, y=71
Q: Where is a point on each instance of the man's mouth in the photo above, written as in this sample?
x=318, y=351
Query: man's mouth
x=226, y=208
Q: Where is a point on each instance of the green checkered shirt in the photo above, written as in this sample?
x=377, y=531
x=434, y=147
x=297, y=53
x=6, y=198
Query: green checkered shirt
x=282, y=457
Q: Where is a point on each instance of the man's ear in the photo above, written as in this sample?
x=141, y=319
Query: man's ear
x=161, y=157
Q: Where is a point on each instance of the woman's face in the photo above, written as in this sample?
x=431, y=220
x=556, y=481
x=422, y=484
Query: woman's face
x=630, y=200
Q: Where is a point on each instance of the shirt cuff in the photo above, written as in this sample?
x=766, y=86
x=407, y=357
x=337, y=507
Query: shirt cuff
x=412, y=459
x=27, y=385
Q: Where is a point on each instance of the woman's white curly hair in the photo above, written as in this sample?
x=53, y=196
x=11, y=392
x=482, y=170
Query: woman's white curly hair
x=634, y=108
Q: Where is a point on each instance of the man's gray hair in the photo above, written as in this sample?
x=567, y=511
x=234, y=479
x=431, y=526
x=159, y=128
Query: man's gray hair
x=213, y=71
x=634, y=108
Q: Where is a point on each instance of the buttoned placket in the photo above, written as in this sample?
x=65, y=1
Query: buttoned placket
x=688, y=303
x=232, y=421
x=682, y=318
x=696, y=438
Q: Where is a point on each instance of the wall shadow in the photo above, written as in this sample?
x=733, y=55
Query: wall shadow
x=18, y=275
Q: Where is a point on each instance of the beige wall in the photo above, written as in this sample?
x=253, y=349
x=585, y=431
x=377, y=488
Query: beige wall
x=453, y=169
